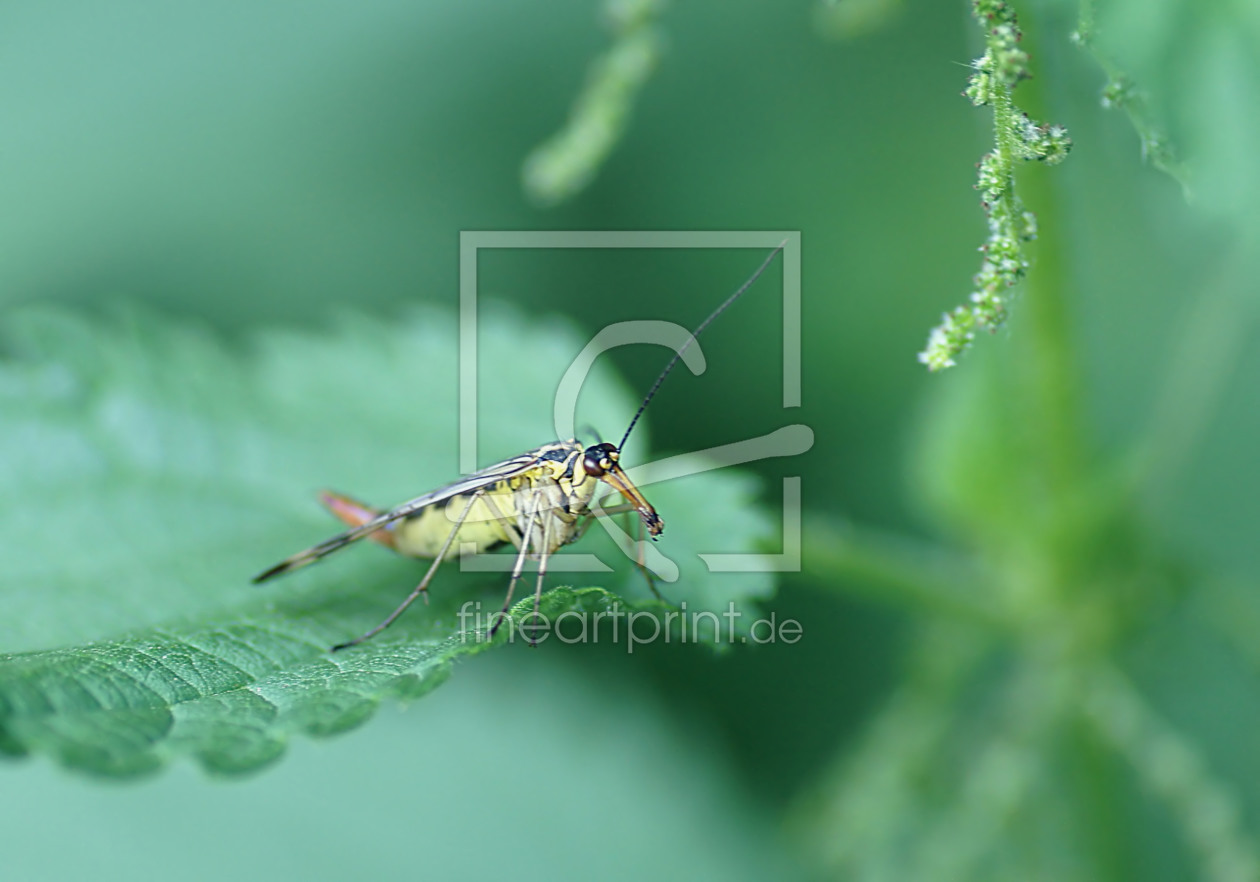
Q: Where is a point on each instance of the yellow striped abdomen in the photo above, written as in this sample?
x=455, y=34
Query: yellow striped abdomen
x=423, y=534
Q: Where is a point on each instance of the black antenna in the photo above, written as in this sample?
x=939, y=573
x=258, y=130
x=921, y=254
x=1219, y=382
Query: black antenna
x=692, y=339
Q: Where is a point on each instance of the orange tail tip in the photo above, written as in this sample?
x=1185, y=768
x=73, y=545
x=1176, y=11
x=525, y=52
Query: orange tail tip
x=353, y=513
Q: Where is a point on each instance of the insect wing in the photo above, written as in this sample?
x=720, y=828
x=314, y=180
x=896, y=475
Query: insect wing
x=502, y=471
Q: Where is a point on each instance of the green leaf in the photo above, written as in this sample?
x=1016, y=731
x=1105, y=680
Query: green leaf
x=151, y=469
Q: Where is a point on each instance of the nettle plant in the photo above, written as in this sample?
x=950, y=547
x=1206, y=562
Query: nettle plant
x=165, y=451
x=1019, y=138
x=1024, y=731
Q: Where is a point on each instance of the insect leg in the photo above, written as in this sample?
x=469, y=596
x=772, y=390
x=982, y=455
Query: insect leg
x=423, y=587
x=595, y=514
x=530, y=517
x=544, y=555
x=640, y=559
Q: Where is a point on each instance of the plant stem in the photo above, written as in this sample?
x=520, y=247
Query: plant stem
x=1050, y=375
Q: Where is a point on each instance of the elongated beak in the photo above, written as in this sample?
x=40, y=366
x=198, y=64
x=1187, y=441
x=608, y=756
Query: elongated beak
x=620, y=482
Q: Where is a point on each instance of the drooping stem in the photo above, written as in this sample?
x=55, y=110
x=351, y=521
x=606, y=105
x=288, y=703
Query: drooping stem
x=1004, y=65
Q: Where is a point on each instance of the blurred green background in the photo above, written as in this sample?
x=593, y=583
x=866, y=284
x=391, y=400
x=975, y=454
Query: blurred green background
x=1073, y=700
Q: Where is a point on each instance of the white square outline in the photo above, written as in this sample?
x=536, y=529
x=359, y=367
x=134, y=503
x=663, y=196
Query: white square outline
x=472, y=241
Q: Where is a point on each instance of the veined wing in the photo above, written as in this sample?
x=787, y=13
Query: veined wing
x=502, y=471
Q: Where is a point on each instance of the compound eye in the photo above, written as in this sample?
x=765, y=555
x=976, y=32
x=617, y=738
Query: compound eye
x=600, y=459
x=595, y=466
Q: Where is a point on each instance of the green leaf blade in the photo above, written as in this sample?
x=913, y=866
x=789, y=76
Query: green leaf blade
x=155, y=469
